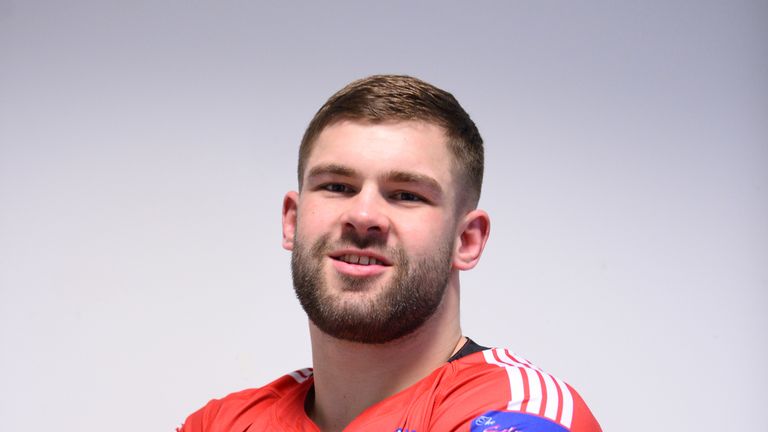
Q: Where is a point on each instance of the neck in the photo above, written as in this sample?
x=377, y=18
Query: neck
x=350, y=377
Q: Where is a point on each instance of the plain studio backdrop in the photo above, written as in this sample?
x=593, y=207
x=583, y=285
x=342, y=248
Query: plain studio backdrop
x=145, y=147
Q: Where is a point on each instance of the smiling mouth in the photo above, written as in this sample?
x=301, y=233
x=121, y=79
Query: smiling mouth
x=358, y=259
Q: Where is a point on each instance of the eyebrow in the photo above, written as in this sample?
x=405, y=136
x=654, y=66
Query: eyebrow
x=415, y=178
x=331, y=168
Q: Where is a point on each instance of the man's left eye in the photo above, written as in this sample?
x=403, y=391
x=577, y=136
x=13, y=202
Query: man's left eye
x=407, y=196
x=336, y=187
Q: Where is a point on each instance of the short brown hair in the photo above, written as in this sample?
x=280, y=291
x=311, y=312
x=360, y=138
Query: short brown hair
x=381, y=98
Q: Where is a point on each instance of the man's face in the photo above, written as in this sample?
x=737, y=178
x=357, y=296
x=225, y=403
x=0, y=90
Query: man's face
x=375, y=229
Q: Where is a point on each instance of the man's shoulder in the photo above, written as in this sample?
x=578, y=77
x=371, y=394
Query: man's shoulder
x=272, y=391
x=497, y=387
x=227, y=412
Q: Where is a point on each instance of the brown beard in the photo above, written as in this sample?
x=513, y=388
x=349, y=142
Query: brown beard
x=396, y=310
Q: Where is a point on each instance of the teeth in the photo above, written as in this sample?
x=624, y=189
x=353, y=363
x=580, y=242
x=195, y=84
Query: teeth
x=362, y=260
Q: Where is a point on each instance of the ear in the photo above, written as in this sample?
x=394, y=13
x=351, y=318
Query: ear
x=473, y=233
x=290, y=206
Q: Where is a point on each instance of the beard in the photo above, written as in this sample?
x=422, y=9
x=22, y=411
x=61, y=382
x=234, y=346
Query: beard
x=380, y=314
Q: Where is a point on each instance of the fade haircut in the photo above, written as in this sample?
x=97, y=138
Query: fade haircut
x=384, y=98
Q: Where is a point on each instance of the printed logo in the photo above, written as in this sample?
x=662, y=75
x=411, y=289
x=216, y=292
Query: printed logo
x=485, y=421
x=513, y=421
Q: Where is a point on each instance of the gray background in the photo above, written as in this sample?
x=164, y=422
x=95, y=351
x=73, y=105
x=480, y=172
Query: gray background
x=145, y=148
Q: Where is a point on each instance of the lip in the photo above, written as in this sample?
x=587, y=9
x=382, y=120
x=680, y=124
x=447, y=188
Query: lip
x=359, y=270
x=335, y=255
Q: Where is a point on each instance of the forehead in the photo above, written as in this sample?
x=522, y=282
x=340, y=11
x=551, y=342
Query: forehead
x=403, y=145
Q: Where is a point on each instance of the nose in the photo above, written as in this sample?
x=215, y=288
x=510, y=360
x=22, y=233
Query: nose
x=366, y=214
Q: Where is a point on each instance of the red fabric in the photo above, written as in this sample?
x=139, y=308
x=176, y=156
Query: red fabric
x=452, y=398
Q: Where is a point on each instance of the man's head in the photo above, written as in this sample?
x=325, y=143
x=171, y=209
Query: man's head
x=393, y=98
x=385, y=216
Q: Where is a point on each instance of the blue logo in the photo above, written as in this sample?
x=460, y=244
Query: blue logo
x=513, y=421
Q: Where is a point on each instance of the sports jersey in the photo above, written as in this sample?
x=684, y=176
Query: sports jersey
x=477, y=390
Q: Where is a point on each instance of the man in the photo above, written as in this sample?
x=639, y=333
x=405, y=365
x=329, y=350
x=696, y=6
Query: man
x=390, y=171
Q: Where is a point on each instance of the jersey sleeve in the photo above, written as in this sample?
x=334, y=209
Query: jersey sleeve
x=226, y=414
x=237, y=411
x=506, y=394
x=200, y=420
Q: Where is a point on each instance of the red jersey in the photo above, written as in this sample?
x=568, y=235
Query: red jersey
x=489, y=390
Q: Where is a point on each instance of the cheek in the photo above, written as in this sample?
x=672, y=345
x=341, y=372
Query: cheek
x=312, y=220
x=423, y=235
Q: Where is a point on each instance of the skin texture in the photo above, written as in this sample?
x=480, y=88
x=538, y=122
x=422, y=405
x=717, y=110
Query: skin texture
x=387, y=192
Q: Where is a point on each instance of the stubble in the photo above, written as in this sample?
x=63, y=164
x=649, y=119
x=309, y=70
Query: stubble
x=360, y=311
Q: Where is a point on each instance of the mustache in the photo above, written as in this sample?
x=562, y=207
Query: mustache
x=351, y=238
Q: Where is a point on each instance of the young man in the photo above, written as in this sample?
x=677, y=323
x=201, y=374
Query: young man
x=390, y=171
